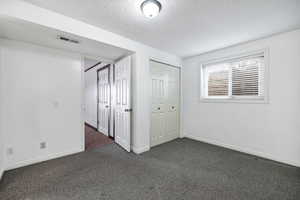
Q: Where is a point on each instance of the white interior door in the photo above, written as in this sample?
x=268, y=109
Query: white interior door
x=103, y=100
x=165, y=103
x=122, y=115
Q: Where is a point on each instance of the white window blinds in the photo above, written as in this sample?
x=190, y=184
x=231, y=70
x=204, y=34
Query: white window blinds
x=235, y=78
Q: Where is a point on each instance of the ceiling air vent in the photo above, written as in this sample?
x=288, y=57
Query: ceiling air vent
x=63, y=38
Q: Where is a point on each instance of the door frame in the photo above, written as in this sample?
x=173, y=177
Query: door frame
x=180, y=97
x=114, y=100
x=108, y=66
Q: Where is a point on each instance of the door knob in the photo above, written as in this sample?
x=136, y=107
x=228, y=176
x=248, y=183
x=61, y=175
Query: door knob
x=106, y=106
x=128, y=110
x=158, y=108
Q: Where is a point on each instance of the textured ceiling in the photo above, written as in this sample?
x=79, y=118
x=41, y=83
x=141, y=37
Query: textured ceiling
x=185, y=27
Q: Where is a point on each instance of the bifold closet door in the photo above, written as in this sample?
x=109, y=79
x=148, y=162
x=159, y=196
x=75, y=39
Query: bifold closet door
x=103, y=100
x=165, y=103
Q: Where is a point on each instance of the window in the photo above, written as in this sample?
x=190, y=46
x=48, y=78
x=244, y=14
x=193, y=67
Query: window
x=241, y=78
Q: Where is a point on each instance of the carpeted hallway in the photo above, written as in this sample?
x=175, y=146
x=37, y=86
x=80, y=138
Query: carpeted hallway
x=180, y=170
x=95, y=139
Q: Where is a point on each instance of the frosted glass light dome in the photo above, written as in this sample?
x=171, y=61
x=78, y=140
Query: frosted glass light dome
x=151, y=8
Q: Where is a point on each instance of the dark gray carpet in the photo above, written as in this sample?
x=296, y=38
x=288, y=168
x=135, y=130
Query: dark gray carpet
x=179, y=170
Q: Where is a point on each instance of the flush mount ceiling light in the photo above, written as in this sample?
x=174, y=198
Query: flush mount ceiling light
x=151, y=8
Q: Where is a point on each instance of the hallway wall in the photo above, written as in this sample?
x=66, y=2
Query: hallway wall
x=42, y=103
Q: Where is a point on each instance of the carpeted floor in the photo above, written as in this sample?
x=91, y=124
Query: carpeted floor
x=179, y=170
x=95, y=139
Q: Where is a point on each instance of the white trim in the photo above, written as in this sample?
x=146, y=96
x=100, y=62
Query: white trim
x=2, y=145
x=42, y=159
x=245, y=150
x=232, y=100
x=163, y=62
x=254, y=100
x=83, y=104
x=181, y=134
x=139, y=150
x=1, y=174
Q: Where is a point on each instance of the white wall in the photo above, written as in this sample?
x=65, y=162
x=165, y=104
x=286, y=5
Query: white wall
x=269, y=130
x=42, y=102
x=90, y=93
x=1, y=117
x=20, y=10
x=1, y=156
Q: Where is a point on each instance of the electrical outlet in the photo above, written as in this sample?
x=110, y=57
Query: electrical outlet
x=10, y=151
x=43, y=145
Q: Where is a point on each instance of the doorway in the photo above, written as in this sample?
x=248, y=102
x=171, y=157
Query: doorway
x=104, y=100
x=97, y=98
x=108, y=103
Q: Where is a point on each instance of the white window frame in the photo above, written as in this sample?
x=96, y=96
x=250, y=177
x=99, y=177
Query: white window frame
x=237, y=99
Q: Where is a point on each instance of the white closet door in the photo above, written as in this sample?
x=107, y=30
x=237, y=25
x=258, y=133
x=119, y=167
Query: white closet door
x=172, y=104
x=123, y=102
x=103, y=100
x=165, y=103
x=158, y=114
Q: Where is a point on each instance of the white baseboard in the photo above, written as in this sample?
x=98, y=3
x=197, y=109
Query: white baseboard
x=244, y=150
x=42, y=159
x=139, y=150
x=1, y=173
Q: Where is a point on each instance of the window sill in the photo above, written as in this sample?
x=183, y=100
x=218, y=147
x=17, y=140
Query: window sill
x=235, y=100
